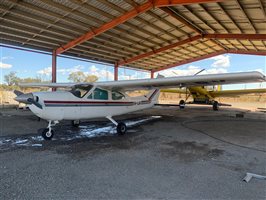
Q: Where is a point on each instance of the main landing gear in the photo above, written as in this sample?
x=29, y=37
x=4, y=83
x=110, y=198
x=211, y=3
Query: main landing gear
x=121, y=127
x=48, y=133
x=215, y=105
x=182, y=104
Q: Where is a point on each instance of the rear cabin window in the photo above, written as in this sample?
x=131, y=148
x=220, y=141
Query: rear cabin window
x=117, y=95
x=99, y=94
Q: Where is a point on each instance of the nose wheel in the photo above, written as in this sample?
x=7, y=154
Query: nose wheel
x=48, y=133
x=75, y=123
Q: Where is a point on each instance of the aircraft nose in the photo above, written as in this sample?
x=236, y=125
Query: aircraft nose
x=23, y=98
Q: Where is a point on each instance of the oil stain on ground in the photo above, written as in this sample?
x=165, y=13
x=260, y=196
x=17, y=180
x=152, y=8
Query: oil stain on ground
x=189, y=151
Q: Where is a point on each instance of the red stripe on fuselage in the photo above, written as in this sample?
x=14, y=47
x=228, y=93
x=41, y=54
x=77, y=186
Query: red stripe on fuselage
x=85, y=102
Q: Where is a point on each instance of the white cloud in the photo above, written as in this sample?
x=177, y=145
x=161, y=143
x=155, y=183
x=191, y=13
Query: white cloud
x=190, y=71
x=5, y=65
x=136, y=75
x=65, y=71
x=46, y=71
x=102, y=74
x=221, y=61
x=93, y=68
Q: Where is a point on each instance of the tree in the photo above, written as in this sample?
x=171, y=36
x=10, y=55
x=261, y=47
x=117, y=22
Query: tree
x=31, y=80
x=77, y=76
x=91, y=78
x=12, y=79
x=80, y=76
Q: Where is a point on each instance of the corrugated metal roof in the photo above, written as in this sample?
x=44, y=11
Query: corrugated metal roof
x=49, y=24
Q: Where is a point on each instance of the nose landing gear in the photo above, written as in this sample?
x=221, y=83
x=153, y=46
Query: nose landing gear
x=75, y=123
x=48, y=133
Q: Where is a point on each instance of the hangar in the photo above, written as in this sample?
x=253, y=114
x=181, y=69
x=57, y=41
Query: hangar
x=150, y=35
x=191, y=154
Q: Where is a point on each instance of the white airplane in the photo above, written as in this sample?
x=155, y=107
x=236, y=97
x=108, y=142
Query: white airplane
x=108, y=99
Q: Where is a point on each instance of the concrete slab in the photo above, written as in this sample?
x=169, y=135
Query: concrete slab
x=194, y=153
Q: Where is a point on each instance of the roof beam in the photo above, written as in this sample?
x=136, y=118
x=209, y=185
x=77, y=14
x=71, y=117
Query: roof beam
x=190, y=60
x=164, y=3
x=213, y=17
x=249, y=52
x=181, y=19
x=236, y=36
x=245, y=14
x=126, y=16
x=229, y=16
x=259, y=53
x=191, y=39
x=119, y=20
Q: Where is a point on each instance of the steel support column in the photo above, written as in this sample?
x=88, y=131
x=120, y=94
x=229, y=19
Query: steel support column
x=54, y=69
x=116, y=72
x=152, y=74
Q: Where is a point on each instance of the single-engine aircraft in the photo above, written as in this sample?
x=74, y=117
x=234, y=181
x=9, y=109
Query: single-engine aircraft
x=201, y=95
x=109, y=99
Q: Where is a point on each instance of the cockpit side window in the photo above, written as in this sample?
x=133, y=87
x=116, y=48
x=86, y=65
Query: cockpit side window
x=80, y=92
x=99, y=94
x=117, y=95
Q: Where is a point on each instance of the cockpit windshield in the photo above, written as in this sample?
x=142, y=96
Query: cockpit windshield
x=81, y=90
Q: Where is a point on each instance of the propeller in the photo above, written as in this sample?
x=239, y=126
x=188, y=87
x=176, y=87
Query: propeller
x=17, y=92
x=36, y=103
x=27, y=98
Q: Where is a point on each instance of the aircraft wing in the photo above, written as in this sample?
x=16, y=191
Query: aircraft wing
x=182, y=81
x=232, y=93
x=186, y=81
x=55, y=85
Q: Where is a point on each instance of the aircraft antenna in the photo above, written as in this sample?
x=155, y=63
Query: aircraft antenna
x=199, y=72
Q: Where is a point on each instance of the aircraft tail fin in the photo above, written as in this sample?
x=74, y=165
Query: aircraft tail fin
x=154, y=95
x=160, y=76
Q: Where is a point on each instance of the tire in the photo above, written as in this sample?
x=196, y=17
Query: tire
x=46, y=135
x=75, y=123
x=121, y=128
x=182, y=104
x=215, y=105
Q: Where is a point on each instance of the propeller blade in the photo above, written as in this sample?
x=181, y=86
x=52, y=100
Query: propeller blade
x=31, y=100
x=17, y=92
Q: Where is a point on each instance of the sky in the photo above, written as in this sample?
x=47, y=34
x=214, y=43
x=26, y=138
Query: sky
x=29, y=64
